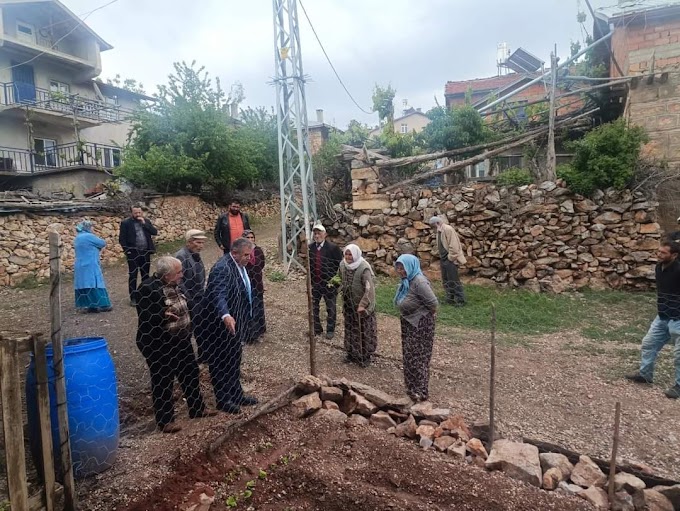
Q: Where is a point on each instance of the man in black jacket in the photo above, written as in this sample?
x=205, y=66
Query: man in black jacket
x=135, y=238
x=324, y=261
x=230, y=226
x=665, y=328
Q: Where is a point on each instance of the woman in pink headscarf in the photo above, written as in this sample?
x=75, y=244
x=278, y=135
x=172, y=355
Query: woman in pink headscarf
x=358, y=307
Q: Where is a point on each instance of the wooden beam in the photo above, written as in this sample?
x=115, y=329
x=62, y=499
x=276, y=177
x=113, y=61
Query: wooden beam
x=479, y=158
x=12, y=421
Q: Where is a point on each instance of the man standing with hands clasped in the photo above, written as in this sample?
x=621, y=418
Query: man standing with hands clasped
x=135, y=238
x=451, y=256
x=324, y=262
x=230, y=226
x=227, y=313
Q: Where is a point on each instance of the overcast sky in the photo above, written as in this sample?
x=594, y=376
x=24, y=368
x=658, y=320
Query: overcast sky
x=416, y=45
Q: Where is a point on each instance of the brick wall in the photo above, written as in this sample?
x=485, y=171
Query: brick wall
x=636, y=46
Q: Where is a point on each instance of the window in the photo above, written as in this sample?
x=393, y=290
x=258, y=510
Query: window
x=45, y=152
x=478, y=170
x=25, y=32
x=111, y=101
x=404, y=128
x=57, y=86
x=111, y=157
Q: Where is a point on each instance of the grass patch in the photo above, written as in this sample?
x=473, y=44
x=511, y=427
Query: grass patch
x=598, y=315
x=31, y=282
x=169, y=247
x=276, y=276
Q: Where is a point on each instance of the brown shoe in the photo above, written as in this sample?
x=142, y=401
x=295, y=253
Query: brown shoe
x=208, y=412
x=170, y=428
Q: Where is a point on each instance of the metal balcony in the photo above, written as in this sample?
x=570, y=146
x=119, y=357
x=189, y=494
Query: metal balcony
x=60, y=157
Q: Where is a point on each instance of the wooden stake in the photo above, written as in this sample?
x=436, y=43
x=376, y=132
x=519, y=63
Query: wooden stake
x=70, y=503
x=310, y=314
x=615, y=450
x=492, y=380
x=12, y=421
x=43, y=395
x=551, y=163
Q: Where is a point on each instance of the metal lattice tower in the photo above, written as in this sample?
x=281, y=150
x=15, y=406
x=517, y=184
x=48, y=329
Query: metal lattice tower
x=298, y=200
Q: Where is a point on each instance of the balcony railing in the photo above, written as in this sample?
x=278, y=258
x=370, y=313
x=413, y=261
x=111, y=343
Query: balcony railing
x=60, y=157
x=23, y=94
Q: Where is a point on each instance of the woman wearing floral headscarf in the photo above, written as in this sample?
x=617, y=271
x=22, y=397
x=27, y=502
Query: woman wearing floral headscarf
x=255, y=270
x=88, y=280
x=417, y=306
x=358, y=307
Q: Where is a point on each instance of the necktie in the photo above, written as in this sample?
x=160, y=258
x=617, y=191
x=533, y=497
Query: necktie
x=246, y=281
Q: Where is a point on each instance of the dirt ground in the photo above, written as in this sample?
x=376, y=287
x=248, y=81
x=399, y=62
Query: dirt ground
x=544, y=392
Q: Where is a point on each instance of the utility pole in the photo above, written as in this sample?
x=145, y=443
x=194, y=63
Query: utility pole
x=298, y=198
x=551, y=164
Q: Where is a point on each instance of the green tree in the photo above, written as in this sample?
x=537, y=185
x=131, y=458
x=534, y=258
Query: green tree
x=383, y=102
x=260, y=129
x=356, y=134
x=187, y=142
x=454, y=128
x=605, y=157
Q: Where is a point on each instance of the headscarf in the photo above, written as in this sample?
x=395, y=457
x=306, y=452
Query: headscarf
x=412, y=266
x=245, y=234
x=356, y=256
x=84, y=226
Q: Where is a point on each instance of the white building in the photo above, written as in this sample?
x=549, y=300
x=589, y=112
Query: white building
x=56, y=118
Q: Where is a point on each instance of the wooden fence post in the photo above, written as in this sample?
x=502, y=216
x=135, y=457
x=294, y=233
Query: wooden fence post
x=43, y=395
x=12, y=421
x=70, y=503
x=492, y=380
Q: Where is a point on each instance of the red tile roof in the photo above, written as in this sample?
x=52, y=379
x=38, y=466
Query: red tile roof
x=481, y=84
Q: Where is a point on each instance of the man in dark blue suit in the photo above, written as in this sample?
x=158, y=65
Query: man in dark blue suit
x=228, y=309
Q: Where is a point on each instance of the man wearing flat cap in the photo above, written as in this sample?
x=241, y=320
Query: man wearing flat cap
x=451, y=257
x=192, y=284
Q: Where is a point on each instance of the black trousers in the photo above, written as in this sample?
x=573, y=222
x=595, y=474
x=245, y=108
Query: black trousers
x=169, y=361
x=224, y=360
x=138, y=261
x=329, y=295
x=452, y=283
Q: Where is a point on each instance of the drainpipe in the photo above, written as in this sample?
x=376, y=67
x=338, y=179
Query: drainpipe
x=546, y=74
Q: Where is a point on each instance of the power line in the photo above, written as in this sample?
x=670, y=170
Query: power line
x=329, y=61
x=81, y=15
x=61, y=38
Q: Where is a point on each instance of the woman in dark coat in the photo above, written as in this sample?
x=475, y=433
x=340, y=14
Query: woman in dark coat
x=255, y=269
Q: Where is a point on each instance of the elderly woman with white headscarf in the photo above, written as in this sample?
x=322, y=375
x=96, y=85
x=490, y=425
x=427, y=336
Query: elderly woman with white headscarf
x=88, y=280
x=358, y=307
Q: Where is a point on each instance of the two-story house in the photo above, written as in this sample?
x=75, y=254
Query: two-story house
x=60, y=127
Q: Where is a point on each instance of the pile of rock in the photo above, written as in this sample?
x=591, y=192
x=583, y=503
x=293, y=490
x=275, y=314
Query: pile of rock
x=437, y=429
x=542, y=237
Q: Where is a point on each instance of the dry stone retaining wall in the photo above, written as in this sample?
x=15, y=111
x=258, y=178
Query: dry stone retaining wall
x=538, y=236
x=24, y=245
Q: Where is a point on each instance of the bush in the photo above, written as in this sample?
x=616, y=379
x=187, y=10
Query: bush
x=514, y=177
x=605, y=157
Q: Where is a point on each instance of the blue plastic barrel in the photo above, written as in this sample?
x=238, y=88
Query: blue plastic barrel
x=92, y=399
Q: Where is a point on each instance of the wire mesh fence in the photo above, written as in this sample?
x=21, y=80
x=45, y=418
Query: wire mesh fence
x=199, y=319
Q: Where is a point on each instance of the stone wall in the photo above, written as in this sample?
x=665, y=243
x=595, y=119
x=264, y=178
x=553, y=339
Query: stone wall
x=537, y=236
x=24, y=247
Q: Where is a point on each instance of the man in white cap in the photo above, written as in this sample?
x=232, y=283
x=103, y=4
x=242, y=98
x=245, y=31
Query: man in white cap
x=192, y=284
x=450, y=257
x=324, y=261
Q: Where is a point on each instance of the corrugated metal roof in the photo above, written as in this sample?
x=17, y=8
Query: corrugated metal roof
x=628, y=7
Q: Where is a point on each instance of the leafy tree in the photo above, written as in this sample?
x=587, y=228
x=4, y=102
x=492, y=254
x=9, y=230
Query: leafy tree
x=454, y=128
x=605, y=157
x=383, y=102
x=514, y=177
x=591, y=64
x=260, y=130
x=127, y=84
x=356, y=134
x=187, y=142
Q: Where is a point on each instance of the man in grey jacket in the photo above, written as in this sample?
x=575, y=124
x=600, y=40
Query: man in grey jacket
x=192, y=284
x=451, y=257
